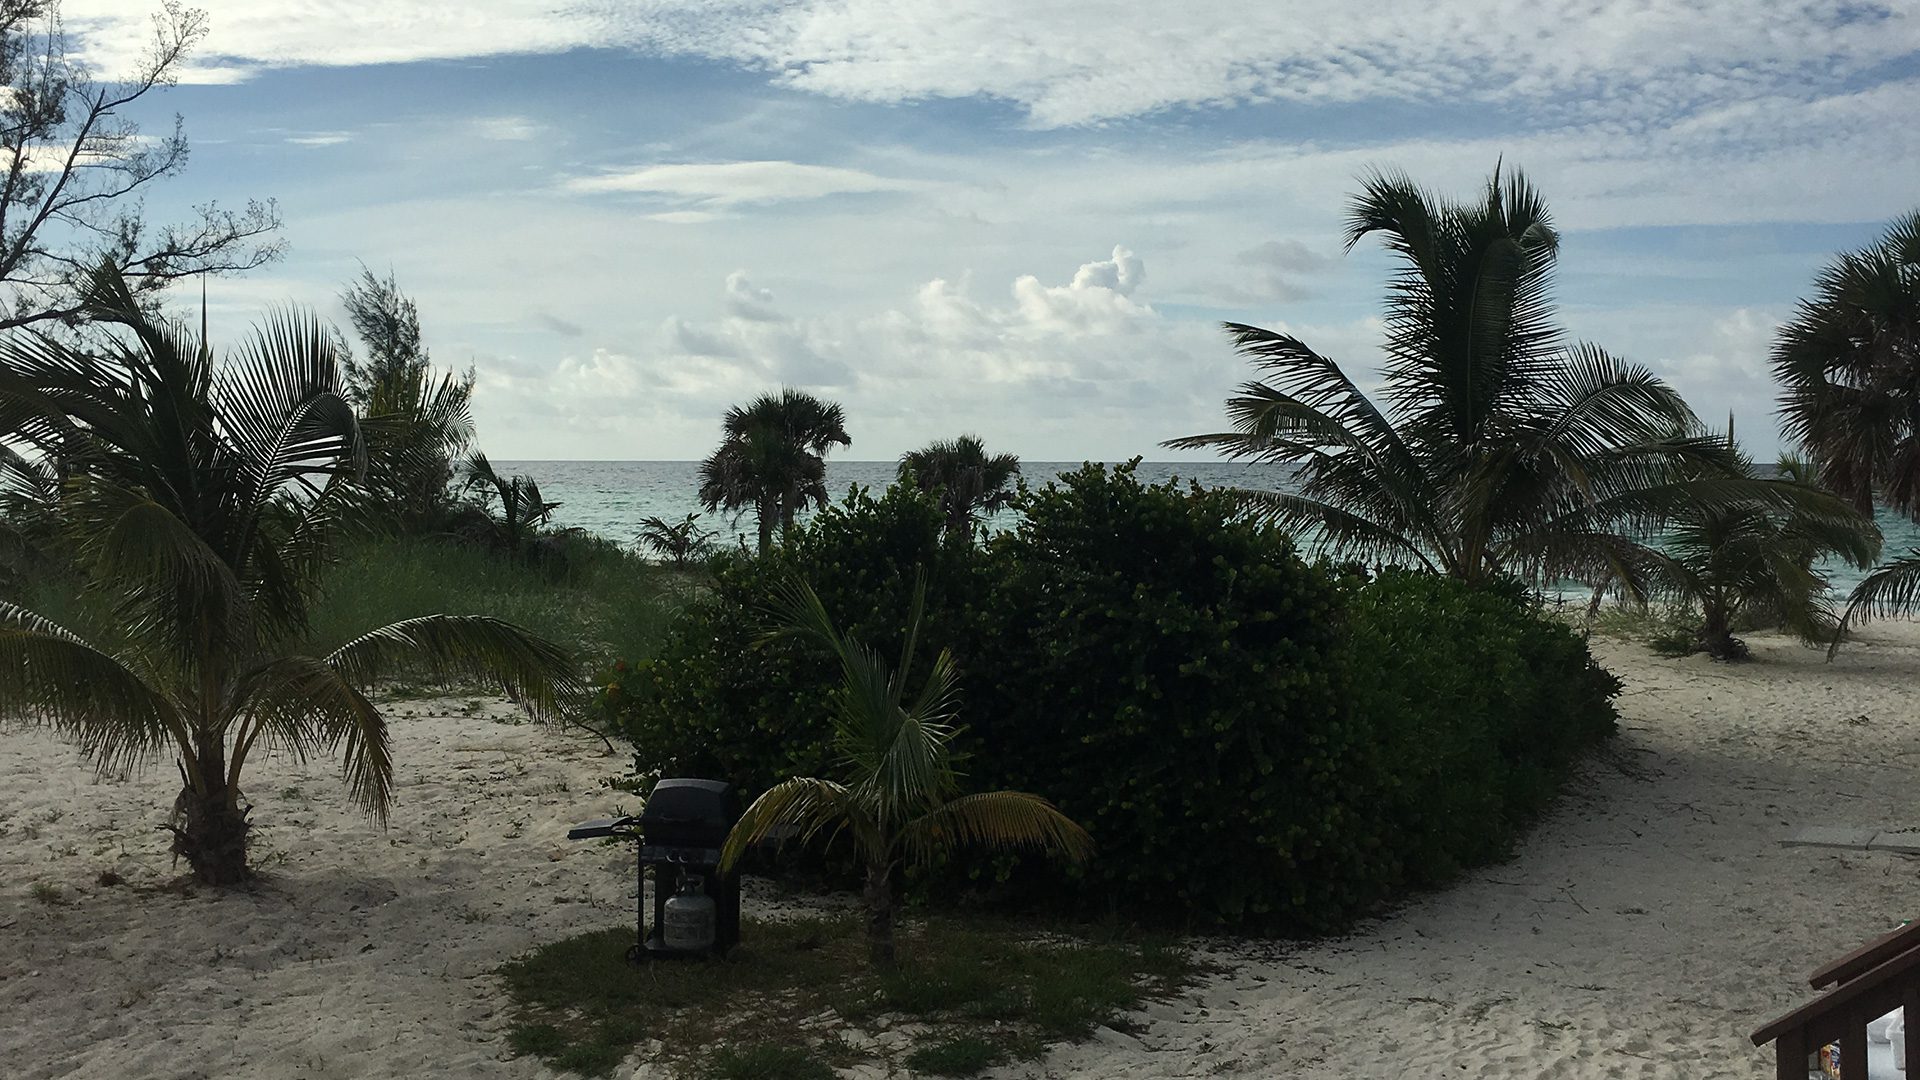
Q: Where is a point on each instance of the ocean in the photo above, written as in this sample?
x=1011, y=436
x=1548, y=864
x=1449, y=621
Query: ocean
x=612, y=498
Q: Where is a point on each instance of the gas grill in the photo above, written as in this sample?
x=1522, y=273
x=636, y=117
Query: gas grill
x=680, y=832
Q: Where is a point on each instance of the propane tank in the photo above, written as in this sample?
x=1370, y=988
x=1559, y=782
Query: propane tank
x=688, y=921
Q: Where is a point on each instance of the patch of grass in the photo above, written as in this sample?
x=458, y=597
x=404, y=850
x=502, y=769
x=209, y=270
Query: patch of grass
x=963, y=1055
x=1669, y=631
x=973, y=986
x=766, y=1061
x=48, y=893
x=606, y=604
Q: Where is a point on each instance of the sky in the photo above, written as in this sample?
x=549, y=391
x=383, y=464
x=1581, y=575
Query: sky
x=1023, y=220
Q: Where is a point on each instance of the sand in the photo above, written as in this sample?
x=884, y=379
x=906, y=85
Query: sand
x=1650, y=923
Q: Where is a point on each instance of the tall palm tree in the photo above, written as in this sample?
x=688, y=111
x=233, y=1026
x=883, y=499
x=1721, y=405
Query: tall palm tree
x=899, y=799
x=1501, y=449
x=200, y=504
x=772, y=458
x=967, y=481
x=1849, y=372
x=1758, y=562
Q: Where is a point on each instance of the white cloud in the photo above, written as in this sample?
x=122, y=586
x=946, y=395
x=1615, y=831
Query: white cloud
x=685, y=217
x=1644, y=61
x=507, y=128
x=736, y=183
x=321, y=138
x=747, y=301
x=1026, y=370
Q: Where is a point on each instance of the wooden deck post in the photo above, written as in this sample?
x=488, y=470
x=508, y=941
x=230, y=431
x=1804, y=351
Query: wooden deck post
x=1790, y=1055
x=1853, y=1048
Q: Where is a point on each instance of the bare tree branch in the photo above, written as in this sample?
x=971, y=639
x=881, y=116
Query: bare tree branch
x=72, y=167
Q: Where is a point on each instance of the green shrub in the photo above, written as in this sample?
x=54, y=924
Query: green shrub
x=1172, y=676
x=1250, y=741
x=1480, y=705
x=719, y=700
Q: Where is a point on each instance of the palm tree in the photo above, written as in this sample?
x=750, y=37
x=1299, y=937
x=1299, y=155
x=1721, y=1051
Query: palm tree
x=1755, y=562
x=966, y=480
x=1501, y=450
x=679, y=542
x=772, y=458
x=1849, y=372
x=899, y=798
x=522, y=511
x=415, y=428
x=201, y=502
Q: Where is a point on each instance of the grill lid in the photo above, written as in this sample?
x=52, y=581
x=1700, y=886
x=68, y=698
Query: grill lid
x=690, y=812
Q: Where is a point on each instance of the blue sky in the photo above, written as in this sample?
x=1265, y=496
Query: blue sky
x=1018, y=219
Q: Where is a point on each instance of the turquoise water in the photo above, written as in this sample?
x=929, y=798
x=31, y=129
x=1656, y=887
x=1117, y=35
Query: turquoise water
x=611, y=498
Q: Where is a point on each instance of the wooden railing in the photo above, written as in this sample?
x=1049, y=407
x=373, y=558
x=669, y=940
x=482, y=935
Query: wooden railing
x=1867, y=983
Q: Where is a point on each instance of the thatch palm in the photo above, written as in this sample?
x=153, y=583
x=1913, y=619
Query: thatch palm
x=416, y=426
x=679, y=542
x=521, y=509
x=899, y=800
x=200, y=504
x=966, y=479
x=1502, y=450
x=1757, y=562
x=772, y=458
x=1849, y=371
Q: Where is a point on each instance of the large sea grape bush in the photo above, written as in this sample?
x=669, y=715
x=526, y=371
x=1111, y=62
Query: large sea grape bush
x=1480, y=704
x=1252, y=742
x=1173, y=677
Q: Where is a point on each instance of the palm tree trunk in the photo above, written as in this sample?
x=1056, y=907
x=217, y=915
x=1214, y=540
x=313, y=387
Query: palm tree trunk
x=1716, y=637
x=212, y=830
x=879, y=903
x=767, y=513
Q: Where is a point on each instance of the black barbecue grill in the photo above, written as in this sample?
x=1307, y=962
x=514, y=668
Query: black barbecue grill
x=681, y=831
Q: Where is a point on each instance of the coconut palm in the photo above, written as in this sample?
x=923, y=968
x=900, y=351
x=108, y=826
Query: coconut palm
x=1757, y=562
x=772, y=458
x=200, y=504
x=1500, y=449
x=679, y=542
x=521, y=510
x=899, y=798
x=967, y=481
x=1849, y=372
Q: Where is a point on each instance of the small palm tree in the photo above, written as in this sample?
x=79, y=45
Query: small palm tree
x=679, y=542
x=1849, y=373
x=772, y=458
x=1756, y=562
x=522, y=512
x=899, y=797
x=200, y=503
x=967, y=481
x=1501, y=450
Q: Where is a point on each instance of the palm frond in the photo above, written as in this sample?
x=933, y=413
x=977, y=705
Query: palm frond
x=302, y=704
x=803, y=806
x=52, y=676
x=1892, y=589
x=534, y=672
x=995, y=821
x=1342, y=534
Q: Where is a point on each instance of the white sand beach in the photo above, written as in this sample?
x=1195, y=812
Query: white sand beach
x=1642, y=931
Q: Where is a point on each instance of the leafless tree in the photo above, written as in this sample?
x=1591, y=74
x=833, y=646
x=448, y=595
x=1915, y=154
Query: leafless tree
x=73, y=167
